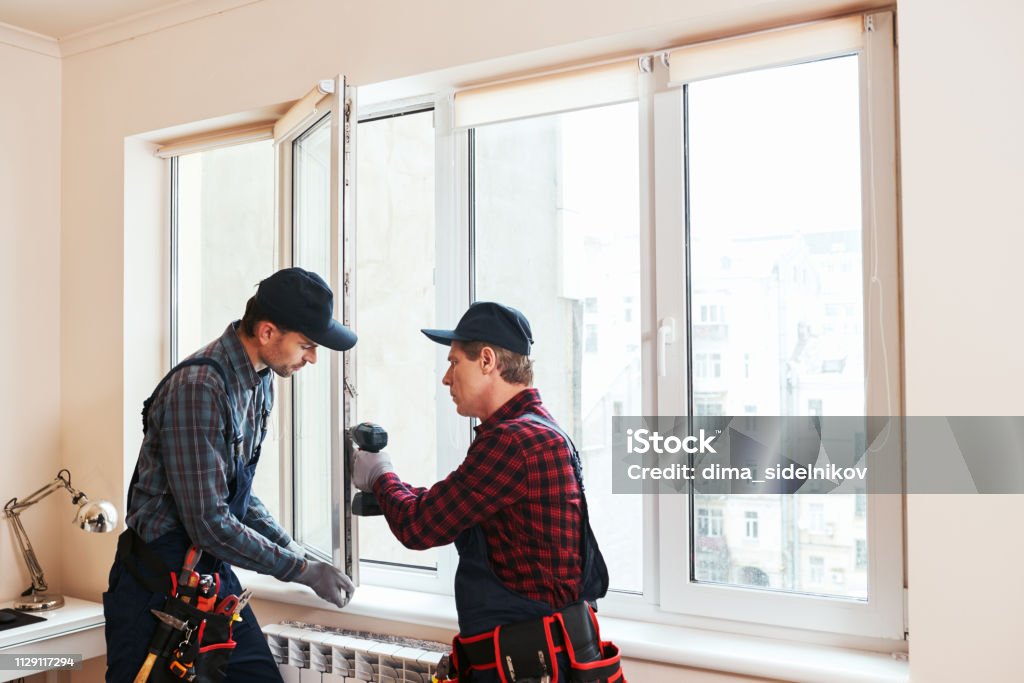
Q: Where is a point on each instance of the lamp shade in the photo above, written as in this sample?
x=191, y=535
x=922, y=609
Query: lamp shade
x=96, y=516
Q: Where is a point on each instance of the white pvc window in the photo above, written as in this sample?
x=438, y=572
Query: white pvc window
x=784, y=142
x=395, y=259
x=636, y=215
x=225, y=239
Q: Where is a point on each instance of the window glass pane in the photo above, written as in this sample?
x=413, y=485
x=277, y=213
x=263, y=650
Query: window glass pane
x=398, y=378
x=225, y=245
x=311, y=202
x=557, y=236
x=777, y=304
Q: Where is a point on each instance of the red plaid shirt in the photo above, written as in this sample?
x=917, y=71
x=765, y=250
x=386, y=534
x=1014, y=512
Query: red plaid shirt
x=517, y=483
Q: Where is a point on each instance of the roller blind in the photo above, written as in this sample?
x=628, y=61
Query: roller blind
x=547, y=94
x=768, y=49
x=222, y=138
x=302, y=110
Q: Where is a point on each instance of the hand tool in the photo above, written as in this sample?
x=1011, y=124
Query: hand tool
x=174, y=623
x=243, y=600
x=209, y=584
x=183, y=664
x=188, y=577
x=227, y=605
x=368, y=437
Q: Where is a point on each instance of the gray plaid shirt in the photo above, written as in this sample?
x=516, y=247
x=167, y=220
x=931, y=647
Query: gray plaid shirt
x=185, y=465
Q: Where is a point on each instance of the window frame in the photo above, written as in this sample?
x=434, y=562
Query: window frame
x=451, y=285
x=669, y=595
x=291, y=128
x=881, y=615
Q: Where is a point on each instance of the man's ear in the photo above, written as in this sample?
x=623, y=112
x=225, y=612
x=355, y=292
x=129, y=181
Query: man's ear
x=265, y=331
x=488, y=360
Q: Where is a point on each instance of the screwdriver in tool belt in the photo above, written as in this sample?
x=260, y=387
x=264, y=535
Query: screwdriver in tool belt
x=188, y=576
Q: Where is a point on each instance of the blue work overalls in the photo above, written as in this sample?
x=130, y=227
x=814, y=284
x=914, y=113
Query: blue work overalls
x=484, y=602
x=127, y=603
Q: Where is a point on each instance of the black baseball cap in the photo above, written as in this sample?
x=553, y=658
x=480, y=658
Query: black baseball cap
x=490, y=322
x=300, y=300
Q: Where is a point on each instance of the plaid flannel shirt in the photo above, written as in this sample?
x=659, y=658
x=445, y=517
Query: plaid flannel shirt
x=517, y=482
x=185, y=465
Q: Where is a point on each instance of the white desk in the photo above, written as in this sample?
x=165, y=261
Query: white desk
x=75, y=628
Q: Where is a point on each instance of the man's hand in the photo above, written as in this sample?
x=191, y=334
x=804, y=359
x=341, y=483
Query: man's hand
x=367, y=467
x=327, y=581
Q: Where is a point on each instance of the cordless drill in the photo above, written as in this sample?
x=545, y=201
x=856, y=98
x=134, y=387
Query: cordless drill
x=368, y=437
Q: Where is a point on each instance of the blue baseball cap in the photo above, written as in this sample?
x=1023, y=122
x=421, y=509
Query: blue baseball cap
x=486, y=321
x=300, y=300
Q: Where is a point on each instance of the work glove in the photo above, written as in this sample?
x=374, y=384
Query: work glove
x=296, y=547
x=367, y=467
x=327, y=581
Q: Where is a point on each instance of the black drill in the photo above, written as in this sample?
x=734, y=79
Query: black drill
x=368, y=437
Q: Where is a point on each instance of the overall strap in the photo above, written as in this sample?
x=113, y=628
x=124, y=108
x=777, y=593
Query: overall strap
x=594, y=574
x=234, y=439
x=577, y=464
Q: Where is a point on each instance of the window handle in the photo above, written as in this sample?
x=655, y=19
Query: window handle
x=666, y=336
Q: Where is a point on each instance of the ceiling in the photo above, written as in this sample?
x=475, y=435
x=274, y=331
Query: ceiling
x=63, y=18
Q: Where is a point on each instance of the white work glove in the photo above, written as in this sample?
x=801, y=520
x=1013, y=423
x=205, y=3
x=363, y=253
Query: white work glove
x=367, y=467
x=327, y=581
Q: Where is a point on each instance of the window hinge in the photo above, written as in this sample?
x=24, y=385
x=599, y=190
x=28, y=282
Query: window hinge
x=906, y=613
x=351, y=390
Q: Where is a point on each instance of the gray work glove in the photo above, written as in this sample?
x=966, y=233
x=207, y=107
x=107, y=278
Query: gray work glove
x=327, y=581
x=367, y=467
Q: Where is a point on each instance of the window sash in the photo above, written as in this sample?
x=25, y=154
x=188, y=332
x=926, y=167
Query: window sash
x=881, y=616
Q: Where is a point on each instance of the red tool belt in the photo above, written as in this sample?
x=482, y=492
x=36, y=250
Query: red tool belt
x=193, y=636
x=527, y=651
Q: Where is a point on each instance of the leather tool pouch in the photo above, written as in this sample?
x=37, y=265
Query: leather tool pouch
x=201, y=650
x=525, y=652
x=590, y=658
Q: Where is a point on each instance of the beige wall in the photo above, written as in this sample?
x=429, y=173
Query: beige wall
x=960, y=107
x=30, y=304
x=963, y=146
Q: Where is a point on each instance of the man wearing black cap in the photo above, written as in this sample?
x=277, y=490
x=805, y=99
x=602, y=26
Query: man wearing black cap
x=204, y=425
x=528, y=562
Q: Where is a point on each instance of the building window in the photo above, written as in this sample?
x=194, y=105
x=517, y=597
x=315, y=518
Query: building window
x=751, y=524
x=817, y=570
x=709, y=522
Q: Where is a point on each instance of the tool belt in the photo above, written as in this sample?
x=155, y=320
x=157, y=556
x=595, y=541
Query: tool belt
x=526, y=652
x=193, y=637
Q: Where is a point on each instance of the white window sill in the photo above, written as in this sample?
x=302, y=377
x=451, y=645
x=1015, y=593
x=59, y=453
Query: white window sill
x=664, y=644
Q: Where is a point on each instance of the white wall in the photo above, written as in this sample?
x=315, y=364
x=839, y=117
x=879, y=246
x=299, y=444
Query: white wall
x=962, y=143
x=30, y=331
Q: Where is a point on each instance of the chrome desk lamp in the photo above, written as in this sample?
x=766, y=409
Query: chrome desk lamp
x=99, y=516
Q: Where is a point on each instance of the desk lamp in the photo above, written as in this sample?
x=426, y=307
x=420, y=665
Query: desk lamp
x=99, y=516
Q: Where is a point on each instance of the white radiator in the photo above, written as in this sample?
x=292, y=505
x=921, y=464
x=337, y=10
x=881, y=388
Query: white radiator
x=317, y=654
